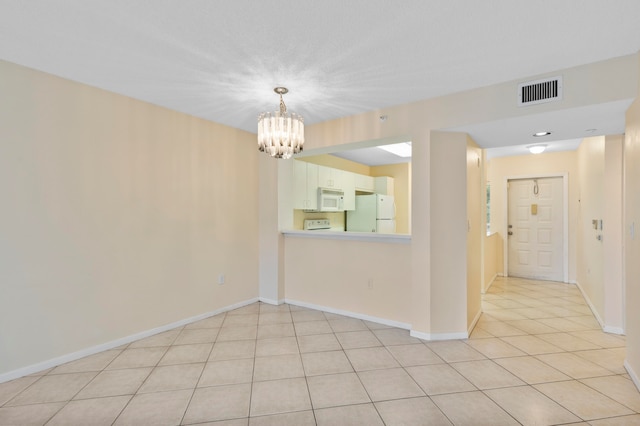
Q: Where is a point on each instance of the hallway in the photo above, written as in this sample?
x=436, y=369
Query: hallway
x=537, y=356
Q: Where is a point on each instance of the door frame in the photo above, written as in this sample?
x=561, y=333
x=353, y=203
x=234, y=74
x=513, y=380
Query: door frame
x=565, y=218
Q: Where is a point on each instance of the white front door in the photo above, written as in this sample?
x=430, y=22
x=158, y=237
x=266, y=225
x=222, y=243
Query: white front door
x=535, y=228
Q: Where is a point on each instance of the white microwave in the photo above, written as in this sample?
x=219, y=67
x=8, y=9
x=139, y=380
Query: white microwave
x=330, y=200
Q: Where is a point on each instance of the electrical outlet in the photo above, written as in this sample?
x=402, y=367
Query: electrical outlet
x=370, y=283
x=221, y=279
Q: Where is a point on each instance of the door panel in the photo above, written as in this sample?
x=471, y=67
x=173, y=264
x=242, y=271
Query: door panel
x=535, y=247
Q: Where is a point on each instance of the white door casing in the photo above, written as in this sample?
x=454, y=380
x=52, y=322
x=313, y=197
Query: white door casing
x=537, y=210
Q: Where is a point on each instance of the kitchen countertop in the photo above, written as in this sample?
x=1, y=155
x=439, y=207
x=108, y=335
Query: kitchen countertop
x=352, y=236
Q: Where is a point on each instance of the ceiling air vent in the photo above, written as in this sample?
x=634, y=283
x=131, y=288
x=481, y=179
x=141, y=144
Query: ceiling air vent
x=540, y=91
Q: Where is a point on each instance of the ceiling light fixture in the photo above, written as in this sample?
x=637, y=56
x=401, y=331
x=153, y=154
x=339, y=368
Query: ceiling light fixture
x=400, y=149
x=280, y=134
x=537, y=149
x=539, y=134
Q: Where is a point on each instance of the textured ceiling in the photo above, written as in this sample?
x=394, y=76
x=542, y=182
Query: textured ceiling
x=220, y=60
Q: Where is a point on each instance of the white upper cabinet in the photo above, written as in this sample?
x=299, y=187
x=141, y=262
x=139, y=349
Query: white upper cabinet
x=329, y=177
x=384, y=185
x=307, y=177
x=349, y=188
x=305, y=185
x=365, y=183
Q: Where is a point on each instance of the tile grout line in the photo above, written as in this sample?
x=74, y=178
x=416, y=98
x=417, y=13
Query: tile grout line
x=306, y=380
x=186, y=409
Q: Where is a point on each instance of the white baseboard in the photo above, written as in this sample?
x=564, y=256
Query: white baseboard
x=384, y=321
x=438, y=336
x=44, y=365
x=473, y=323
x=632, y=374
x=271, y=301
x=605, y=328
x=593, y=309
x=490, y=284
x=350, y=314
x=498, y=274
x=613, y=330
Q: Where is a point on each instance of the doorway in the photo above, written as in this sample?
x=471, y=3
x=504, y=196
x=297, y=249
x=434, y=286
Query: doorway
x=537, y=225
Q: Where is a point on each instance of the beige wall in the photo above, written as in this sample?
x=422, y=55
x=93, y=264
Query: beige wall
x=449, y=230
x=590, y=276
x=599, y=262
x=613, y=231
x=632, y=239
x=498, y=169
x=492, y=258
x=476, y=231
x=271, y=245
x=401, y=174
x=595, y=192
x=117, y=217
x=365, y=278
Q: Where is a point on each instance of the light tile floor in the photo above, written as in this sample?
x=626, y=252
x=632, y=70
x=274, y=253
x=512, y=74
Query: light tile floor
x=536, y=357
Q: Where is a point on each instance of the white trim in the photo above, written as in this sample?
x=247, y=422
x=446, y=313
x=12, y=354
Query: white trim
x=565, y=218
x=54, y=362
x=438, y=336
x=271, y=301
x=613, y=330
x=473, y=323
x=632, y=374
x=350, y=314
x=605, y=328
x=593, y=309
x=490, y=283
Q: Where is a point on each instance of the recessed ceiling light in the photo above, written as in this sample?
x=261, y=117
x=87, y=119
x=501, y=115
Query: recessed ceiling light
x=590, y=130
x=400, y=149
x=538, y=134
x=537, y=149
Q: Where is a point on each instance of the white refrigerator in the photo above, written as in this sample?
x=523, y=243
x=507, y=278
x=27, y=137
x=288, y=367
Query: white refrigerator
x=373, y=213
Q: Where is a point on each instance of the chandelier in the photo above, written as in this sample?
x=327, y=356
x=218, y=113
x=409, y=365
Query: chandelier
x=280, y=134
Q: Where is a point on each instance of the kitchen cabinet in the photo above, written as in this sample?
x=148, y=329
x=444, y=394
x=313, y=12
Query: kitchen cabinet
x=349, y=188
x=329, y=177
x=305, y=185
x=384, y=185
x=364, y=183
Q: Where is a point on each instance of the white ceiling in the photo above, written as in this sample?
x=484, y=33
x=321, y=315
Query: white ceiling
x=220, y=60
x=371, y=156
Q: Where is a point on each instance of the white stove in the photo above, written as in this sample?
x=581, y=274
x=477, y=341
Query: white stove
x=317, y=224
